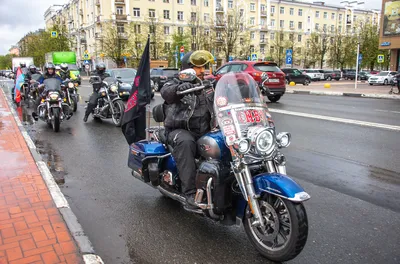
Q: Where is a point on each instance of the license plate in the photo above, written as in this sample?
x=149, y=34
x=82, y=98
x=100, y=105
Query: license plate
x=274, y=80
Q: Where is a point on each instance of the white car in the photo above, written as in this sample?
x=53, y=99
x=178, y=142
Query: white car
x=384, y=77
x=315, y=75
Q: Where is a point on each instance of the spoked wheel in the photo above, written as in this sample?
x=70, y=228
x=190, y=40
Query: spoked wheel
x=119, y=109
x=286, y=230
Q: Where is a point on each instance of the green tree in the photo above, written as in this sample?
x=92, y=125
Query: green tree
x=114, y=42
x=278, y=44
x=368, y=36
x=342, y=50
x=319, y=44
x=136, y=42
x=179, y=39
x=5, y=61
x=155, y=28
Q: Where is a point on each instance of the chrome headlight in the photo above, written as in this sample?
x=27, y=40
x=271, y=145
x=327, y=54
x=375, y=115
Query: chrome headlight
x=283, y=139
x=70, y=85
x=263, y=139
x=113, y=88
x=242, y=146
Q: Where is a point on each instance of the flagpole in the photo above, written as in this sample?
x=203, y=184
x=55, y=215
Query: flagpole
x=148, y=105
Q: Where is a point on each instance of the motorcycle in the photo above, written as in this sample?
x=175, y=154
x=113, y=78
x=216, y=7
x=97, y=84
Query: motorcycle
x=71, y=93
x=241, y=173
x=52, y=109
x=34, y=90
x=109, y=104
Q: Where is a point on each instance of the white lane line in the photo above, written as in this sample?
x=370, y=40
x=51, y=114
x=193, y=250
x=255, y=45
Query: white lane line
x=387, y=111
x=337, y=119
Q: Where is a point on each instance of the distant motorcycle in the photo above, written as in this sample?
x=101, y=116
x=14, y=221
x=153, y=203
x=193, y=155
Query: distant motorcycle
x=71, y=93
x=52, y=109
x=109, y=104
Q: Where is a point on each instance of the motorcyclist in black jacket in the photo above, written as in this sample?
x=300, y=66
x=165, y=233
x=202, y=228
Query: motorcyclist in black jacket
x=184, y=126
x=100, y=72
x=32, y=71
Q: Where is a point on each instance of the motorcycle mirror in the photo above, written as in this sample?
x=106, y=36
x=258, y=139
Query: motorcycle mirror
x=188, y=75
x=119, y=77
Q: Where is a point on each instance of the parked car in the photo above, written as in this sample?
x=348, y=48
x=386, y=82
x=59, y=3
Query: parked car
x=125, y=77
x=276, y=82
x=161, y=75
x=314, y=75
x=384, y=77
x=330, y=75
x=296, y=76
x=363, y=75
x=349, y=74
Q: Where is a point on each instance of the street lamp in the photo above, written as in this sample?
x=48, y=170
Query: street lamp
x=357, y=62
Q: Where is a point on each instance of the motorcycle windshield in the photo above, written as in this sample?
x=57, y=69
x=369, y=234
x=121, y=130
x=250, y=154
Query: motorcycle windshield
x=239, y=105
x=109, y=80
x=36, y=76
x=52, y=84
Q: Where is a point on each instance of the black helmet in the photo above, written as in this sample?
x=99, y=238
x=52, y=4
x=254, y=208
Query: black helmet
x=197, y=58
x=101, y=67
x=32, y=68
x=22, y=64
x=48, y=66
x=64, y=67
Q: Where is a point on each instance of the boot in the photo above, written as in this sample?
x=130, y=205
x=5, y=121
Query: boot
x=35, y=116
x=85, y=118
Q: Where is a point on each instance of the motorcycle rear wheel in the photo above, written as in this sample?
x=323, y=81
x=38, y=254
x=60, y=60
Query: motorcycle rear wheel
x=287, y=241
x=119, y=109
x=56, y=120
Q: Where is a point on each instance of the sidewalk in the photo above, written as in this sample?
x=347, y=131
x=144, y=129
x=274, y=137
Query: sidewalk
x=32, y=228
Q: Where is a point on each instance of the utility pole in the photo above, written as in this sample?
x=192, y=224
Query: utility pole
x=358, y=55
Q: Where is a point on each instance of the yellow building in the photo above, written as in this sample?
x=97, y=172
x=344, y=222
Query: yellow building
x=263, y=20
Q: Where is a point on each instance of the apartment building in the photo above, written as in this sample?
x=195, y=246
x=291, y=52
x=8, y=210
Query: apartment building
x=264, y=19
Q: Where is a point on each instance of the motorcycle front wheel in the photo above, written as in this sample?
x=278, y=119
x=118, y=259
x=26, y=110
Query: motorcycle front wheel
x=119, y=109
x=286, y=230
x=74, y=102
x=56, y=120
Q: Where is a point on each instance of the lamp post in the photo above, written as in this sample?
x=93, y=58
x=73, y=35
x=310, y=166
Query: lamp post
x=357, y=62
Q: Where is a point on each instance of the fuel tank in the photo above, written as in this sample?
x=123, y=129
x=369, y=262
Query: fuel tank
x=212, y=146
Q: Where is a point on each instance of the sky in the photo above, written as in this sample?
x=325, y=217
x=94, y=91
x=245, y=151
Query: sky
x=18, y=17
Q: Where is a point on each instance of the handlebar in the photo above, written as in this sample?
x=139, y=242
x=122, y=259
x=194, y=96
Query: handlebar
x=191, y=90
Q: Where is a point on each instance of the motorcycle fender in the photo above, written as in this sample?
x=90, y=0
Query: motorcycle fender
x=116, y=99
x=279, y=185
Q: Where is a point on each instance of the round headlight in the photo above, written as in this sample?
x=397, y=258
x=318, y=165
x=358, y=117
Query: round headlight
x=243, y=146
x=113, y=88
x=265, y=141
x=70, y=85
x=283, y=139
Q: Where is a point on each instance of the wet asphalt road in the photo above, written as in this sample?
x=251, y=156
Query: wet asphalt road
x=350, y=171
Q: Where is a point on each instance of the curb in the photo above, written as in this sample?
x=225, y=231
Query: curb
x=83, y=242
x=376, y=96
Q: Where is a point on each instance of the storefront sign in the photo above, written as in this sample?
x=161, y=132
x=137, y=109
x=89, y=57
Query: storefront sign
x=385, y=44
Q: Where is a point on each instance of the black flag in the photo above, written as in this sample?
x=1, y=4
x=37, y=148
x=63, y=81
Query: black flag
x=134, y=119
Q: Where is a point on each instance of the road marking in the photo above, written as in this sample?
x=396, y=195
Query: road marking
x=387, y=111
x=337, y=119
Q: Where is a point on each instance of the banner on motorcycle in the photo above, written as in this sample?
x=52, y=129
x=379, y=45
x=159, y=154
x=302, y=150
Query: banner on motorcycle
x=134, y=118
x=20, y=78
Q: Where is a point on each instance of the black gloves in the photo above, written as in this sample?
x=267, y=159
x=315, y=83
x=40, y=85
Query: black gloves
x=184, y=86
x=207, y=83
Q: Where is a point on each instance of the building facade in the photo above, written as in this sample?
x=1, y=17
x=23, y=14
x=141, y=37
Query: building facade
x=14, y=50
x=264, y=20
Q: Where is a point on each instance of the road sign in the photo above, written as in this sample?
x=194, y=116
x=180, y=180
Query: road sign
x=230, y=58
x=289, y=56
x=86, y=62
x=125, y=59
x=86, y=56
x=254, y=57
x=54, y=34
x=381, y=58
x=182, y=54
x=182, y=49
x=360, y=57
x=248, y=58
x=87, y=66
x=101, y=55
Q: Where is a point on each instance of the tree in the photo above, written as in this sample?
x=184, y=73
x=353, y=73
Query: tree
x=179, y=38
x=279, y=44
x=319, y=44
x=342, y=50
x=369, y=43
x=114, y=42
x=157, y=36
x=136, y=42
x=6, y=61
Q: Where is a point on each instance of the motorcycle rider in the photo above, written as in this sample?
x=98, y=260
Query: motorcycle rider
x=185, y=126
x=100, y=72
x=65, y=73
x=32, y=70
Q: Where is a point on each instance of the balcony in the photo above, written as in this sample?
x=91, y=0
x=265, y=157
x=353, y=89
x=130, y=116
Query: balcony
x=121, y=17
x=81, y=12
x=219, y=9
x=291, y=28
x=263, y=41
x=263, y=13
x=98, y=19
x=263, y=27
x=98, y=2
x=120, y=2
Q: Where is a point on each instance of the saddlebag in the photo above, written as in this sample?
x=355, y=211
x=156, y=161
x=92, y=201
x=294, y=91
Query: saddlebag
x=144, y=158
x=222, y=182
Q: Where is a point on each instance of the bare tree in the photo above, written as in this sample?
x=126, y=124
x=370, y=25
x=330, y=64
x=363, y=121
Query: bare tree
x=137, y=39
x=157, y=35
x=114, y=42
x=319, y=43
x=279, y=44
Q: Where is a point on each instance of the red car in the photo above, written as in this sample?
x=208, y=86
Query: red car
x=276, y=82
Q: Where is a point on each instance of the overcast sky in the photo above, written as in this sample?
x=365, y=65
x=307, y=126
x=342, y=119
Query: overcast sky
x=18, y=17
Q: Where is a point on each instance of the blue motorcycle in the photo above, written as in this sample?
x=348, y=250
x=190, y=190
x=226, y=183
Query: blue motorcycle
x=241, y=176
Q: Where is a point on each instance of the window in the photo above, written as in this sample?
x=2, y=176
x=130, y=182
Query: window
x=332, y=28
x=281, y=37
x=193, y=31
x=316, y=26
x=309, y=19
x=325, y=15
x=300, y=12
x=354, y=18
x=299, y=38
x=282, y=23
x=272, y=36
x=241, y=12
x=262, y=37
x=166, y=30
x=291, y=24
x=120, y=28
x=180, y=30
x=230, y=4
x=166, y=1
x=253, y=35
x=152, y=13
x=241, y=41
x=317, y=14
x=137, y=29
x=272, y=9
x=193, y=16
x=262, y=8
x=179, y=2
x=291, y=37
x=300, y=25
x=252, y=7
x=193, y=2
x=282, y=10
x=230, y=19
x=262, y=49
x=206, y=17
x=167, y=46
x=206, y=3
x=120, y=10
x=166, y=14
x=333, y=16
x=252, y=19
x=271, y=49
x=262, y=22
x=136, y=12
x=252, y=50
x=325, y=27
x=340, y=28
x=340, y=17
x=180, y=15
x=291, y=11
x=272, y=22
x=152, y=29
